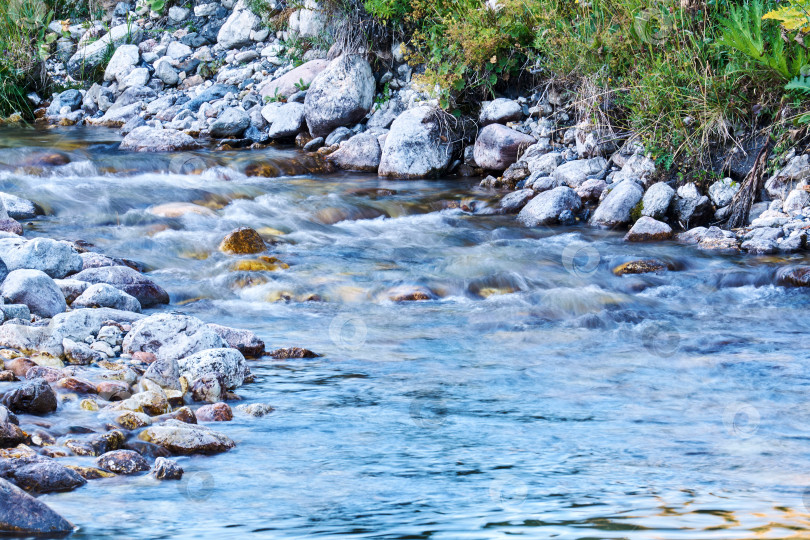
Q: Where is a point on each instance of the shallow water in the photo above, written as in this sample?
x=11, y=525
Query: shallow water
x=537, y=395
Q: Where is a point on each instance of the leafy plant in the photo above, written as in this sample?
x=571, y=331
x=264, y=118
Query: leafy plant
x=793, y=17
x=744, y=31
x=275, y=98
x=301, y=86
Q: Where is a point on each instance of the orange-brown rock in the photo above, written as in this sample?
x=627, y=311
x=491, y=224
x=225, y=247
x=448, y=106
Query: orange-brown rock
x=243, y=241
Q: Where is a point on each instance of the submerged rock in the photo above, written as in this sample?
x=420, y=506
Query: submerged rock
x=794, y=276
x=20, y=513
x=641, y=267
x=181, y=438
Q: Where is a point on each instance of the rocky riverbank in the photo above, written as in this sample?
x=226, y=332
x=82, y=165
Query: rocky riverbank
x=73, y=336
x=216, y=75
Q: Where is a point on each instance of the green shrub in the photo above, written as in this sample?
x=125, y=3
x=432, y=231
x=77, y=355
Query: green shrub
x=25, y=42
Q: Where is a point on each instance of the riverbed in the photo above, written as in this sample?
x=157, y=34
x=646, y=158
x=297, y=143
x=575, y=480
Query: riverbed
x=533, y=393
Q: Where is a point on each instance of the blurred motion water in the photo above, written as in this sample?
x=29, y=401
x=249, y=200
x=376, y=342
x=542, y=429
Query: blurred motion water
x=535, y=394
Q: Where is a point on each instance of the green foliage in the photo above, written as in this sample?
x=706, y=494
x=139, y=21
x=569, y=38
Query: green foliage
x=156, y=5
x=745, y=31
x=275, y=98
x=301, y=85
x=793, y=17
x=25, y=41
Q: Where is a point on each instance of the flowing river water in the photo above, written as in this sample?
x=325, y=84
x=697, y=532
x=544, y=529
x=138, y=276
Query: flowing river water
x=537, y=394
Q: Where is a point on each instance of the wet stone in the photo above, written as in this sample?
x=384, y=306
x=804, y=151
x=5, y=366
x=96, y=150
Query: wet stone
x=22, y=514
x=216, y=412
x=122, y=462
x=32, y=397
x=243, y=241
x=292, y=352
x=641, y=267
x=167, y=469
x=40, y=474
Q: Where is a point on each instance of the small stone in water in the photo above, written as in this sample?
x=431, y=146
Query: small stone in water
x=292, y=352
x=243, y=241
x=255, y=409
x=167, y=469
x=640, y=267
x=123, y=462
x=216, y=412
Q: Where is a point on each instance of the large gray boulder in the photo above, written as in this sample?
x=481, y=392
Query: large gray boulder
x=57, y=259
x=171, y=336
x=574, y=173
x=285, y=119
x=182, y=438
x=123, y=61
x=786, y=179
x=414, y=147
x=89, y=57
x=500, y=111
x=497, y=147
x=245, y=341
x=17, y=207
x=340, y=95
x=656, y=201
x=286, y=84
x=21, y=514
x=236, y=30
x=149, y=139
x=360, y=153
x=36, y=290
x=40, y=474
x=545, y=208
x=647, y=229
x=104, y=295
x=232, y=122
x=690, y=207
x=128, y=280
x=228, y=365
x=617, y=206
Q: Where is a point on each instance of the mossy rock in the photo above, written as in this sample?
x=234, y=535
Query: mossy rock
x=243, y=241
x=645, y=266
